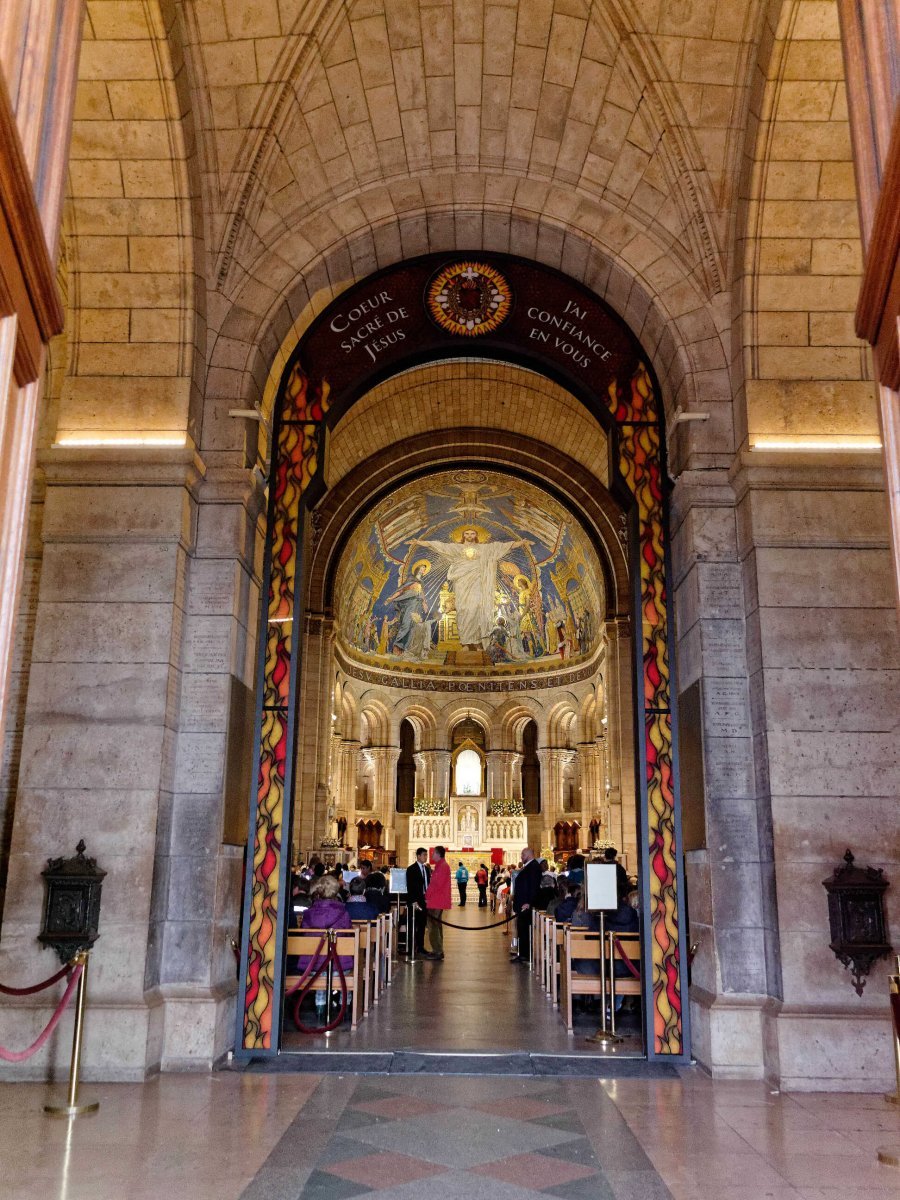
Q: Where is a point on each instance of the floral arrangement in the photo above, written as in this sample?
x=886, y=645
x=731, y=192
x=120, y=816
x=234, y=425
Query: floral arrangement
x=331, y=842
x=602, y=844
x=431, y=808
x=507, y=808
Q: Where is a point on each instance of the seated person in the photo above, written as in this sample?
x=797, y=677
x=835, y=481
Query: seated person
x=575, y=869
x=376, y=886
x=359, y=906
x=546, y=892
x=567, y=907
x=560, y=893
x=327, y=911
x=623, y=883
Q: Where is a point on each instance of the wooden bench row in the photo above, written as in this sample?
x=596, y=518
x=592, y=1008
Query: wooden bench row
x=370, y=945
x=557, y=946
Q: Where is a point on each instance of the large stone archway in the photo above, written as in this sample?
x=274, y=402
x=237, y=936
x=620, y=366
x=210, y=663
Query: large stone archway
x=390, y=323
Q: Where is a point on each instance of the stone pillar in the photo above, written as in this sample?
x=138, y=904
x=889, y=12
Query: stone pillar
x=421, y=787
x=729, y=877
x=515, y=775
x=99, y=745
x=622, y=796
x=313, y=728
x=384, y=761
x=823, y=659
x=495, y=775
x=441, y=782
x=348, y=776
x=592, y=779
x=432, y=781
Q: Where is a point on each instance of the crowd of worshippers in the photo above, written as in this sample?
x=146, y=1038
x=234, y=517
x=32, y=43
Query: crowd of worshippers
x=327, y=902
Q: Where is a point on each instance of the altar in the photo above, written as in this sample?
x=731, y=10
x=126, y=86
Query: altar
x=495, y=829
x=468, y=822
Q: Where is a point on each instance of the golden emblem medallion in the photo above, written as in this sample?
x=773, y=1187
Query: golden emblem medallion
x=468, y=298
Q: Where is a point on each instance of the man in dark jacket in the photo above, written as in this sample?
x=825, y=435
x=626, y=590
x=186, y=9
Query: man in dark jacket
x=418, y=877
x=525, y=894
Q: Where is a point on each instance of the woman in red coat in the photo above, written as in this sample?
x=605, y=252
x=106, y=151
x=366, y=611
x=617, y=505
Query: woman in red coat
x=437, y=901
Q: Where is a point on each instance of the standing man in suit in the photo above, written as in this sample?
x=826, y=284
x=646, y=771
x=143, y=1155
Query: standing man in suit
x=525, y=894
x=418, y=877
x=437, y=901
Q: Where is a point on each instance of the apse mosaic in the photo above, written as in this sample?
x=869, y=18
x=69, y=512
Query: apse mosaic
x=470, y=569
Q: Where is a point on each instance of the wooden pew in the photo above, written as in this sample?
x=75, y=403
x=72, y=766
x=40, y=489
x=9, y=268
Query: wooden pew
x=577, y=944
x=537, y=941
x=557, y=949
x=305, y=941
x=369, y=953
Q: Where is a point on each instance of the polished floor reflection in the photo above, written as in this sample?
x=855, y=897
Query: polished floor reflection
x=476, y=1000
x=233, y=1136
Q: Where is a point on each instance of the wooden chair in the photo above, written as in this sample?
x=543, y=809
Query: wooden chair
x=305, y=942
x=578, y=944
x=618, y=945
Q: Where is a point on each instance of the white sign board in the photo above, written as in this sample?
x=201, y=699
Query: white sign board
x=600, y=881
x=398, y=880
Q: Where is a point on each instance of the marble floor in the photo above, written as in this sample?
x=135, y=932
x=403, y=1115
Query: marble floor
x=233, y=1136
x=476, y=1000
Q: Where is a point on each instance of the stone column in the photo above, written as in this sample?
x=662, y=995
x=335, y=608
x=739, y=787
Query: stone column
x=514, y=767
x=441, y=780
x=495, y=775
x=422, y=764
x=384, y=760
x=728, y=867
x=313, y=728
x=622, y=796
x=99, y=746
x=430, y=774
x=823, y=660
x=348, y=776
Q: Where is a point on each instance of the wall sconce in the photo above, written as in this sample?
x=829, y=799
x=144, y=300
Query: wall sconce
x=856, y=916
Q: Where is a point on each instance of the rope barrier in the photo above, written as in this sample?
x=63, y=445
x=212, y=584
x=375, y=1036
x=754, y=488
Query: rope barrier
x=476, y=928
x=37, y=987
x=632, y=969
x=300, y=991
x=17, y=1056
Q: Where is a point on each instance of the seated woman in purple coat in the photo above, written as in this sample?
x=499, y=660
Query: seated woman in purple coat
x=327, y=911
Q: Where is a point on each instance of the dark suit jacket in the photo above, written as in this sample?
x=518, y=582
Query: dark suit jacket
x=528, y=884
x=415, y=889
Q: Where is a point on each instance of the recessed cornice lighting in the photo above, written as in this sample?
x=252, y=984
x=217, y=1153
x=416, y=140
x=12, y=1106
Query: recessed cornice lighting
x=118, y=439
x=821, y=444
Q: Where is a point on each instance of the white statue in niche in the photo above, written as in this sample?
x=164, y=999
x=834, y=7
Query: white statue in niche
x=468, y=822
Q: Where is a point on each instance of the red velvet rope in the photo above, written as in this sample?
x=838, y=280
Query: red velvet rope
x=16, y=1056
x=302, y=991
x=37, y=987
x=626, y=960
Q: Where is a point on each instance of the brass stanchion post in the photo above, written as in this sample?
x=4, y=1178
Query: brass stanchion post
x=606, y=1035
x=890, y=1154
x=72, y=1108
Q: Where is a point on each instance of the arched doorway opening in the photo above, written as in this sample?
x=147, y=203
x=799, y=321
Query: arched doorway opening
x=406, y=768
x=597, y=360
